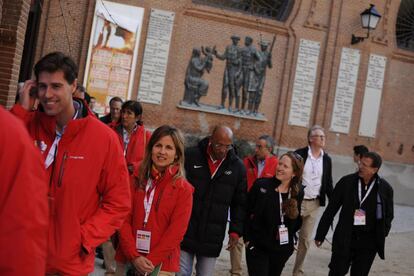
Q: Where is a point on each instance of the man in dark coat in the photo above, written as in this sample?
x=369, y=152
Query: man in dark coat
x=115, y=105
x=317, y=180
x=219, y=179
x=365, y=219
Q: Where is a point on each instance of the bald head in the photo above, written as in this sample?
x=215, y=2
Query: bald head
x=221, y=141
x=222, y=131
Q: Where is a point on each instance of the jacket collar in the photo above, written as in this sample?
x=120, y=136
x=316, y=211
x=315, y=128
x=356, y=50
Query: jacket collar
x=48, y=123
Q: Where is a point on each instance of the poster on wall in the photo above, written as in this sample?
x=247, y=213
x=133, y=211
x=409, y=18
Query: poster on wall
x=345, y=90
x=154, y=64
x=372, y=96
x=112, y=54
x=304, y=83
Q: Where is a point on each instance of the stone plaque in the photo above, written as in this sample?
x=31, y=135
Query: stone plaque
x=304, y=83
x=372, y=95
x=345, y=90
x=154, y=65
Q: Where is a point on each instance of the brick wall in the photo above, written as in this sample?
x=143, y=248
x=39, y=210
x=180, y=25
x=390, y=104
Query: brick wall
x=329, y=22
x=14, y=14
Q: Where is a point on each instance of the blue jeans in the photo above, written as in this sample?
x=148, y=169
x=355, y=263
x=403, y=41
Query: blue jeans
x=204, y=265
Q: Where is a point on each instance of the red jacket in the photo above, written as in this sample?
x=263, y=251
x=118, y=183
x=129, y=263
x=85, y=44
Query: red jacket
x=136, y=148
x=269, y=169
x=168, y=221
x=24, y=214
x=88, y=187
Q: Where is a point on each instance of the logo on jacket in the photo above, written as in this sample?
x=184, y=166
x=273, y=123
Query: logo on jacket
x=227, y=172
x=76, y=157
x=263, y=190
x=197, y=166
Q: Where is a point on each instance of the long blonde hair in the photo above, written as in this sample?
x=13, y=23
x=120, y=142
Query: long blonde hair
x=146, y=165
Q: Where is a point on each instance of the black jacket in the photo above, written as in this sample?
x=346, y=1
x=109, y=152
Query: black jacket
x=212, y=199
x=345, y=196
x=263, y=216
x=106, y=119
x=326, y=185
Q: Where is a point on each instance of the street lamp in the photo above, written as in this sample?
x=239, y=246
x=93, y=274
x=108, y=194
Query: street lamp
x=369, y=20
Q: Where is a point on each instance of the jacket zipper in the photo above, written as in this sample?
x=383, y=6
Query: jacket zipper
x=62, y=168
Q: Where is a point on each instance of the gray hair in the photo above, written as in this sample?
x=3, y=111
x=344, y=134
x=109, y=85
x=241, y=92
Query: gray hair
x=313, y=128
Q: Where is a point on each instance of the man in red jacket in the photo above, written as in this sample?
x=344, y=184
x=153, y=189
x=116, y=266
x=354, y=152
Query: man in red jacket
x=23, y=202
x=88, y=186
x=262, y=164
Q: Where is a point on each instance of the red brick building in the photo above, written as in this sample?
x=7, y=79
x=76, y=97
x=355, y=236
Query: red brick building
x=66, y=26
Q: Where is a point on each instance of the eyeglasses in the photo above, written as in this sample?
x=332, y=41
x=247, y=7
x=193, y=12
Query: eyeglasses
x=221, y=146
x=319, y=136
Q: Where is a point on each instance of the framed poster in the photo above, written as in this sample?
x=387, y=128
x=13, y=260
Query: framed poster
x=113, y=50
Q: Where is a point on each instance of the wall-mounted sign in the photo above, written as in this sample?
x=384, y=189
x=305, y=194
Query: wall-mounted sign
x=154, y=65
x=304, y=83
x=372, y=96
x=345, y=90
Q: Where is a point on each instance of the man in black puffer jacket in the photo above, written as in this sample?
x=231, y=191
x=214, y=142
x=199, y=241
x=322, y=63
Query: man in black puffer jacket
x=219, y=179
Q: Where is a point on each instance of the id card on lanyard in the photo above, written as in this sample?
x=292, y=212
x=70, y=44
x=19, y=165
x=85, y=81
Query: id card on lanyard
x=283, y=230
x=143, y=237
x=359, y=214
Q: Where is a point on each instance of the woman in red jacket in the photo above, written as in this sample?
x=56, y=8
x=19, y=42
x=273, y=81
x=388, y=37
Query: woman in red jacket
x=132, y=134
x=162, y=203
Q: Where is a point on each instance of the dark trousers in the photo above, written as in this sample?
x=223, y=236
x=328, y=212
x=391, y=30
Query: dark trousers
x=360, y=260
x=262, y=263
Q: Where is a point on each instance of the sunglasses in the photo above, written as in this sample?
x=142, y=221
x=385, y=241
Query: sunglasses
x=296, y=156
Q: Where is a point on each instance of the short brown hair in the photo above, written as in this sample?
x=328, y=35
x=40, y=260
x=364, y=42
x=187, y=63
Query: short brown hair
x=57, y=61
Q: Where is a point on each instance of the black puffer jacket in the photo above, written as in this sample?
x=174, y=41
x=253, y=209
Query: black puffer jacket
x=212, y=199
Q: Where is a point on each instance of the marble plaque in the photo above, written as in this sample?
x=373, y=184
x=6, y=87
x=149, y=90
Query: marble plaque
x=372, y=95
x=304, y=83
x=345, y=90
x=154, y=65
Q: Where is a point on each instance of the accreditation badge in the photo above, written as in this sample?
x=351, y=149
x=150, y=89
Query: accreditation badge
x=359, y=217
x=283, y=234
x=143, y=241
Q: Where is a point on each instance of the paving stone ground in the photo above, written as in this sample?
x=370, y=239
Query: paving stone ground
x=399, y=253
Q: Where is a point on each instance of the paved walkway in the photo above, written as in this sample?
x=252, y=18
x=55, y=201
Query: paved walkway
x=399, y=252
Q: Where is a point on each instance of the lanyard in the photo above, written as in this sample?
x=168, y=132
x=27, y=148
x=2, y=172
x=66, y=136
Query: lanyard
x=366, y=194
x=214, y=173
x=51, y=155
x=282, y=219
x=53, y=150
x=148, y=201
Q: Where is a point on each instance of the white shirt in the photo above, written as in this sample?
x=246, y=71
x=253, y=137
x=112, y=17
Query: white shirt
x=260, y=167
x=312, y=175
x=126, y=137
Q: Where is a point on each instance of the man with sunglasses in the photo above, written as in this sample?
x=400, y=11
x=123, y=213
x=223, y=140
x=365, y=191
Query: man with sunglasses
x=367, y=210
x=219, y=179
x=317, y=182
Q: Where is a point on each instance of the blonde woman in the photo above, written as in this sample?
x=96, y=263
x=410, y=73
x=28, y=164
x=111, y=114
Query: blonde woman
x=161, y=208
